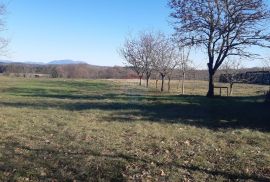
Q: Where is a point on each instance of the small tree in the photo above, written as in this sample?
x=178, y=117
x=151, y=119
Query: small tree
x=233, y=73
x=183, y=66
x=232, y=69
x=132, y=54
x=156, y=76
x=170, y=74
x=165, y=55
x=139, y=54
x=147, y=43
x=222, y=27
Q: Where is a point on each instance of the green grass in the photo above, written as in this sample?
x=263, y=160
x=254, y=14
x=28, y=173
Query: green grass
x=111, y=130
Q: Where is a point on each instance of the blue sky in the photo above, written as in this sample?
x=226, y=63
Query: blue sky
x=82, y=30
x=85, y=30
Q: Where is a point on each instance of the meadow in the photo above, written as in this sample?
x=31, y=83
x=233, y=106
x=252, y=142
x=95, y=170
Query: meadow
x=115, y=130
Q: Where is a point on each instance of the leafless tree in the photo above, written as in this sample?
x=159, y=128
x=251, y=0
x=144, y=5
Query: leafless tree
x=174, y=62
x=184, y=65
x=223, y=27
x=156, y=76
x=233, y=73
x=147, y=42
x=138, y=53
x=170, y=74
x=231, y=70
x=132, y=54
x=165, y=57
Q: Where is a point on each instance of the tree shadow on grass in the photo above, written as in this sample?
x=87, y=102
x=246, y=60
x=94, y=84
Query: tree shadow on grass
x=218, y=113
x=70, y=94
x=68, y=165
x=48, y=164
x=77, y=85
x=233, y=112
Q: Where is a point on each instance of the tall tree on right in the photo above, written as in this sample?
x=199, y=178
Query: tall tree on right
x=222, y=27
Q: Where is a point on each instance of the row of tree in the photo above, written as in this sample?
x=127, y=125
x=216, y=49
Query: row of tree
x=153, y=53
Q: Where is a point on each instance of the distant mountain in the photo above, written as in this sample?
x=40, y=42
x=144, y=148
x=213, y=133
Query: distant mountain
x=20, y=62
x=5, y=61
x=32, y=62
x=66, y=61
x=53, y=63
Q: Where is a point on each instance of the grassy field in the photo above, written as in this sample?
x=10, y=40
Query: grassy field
x=112, y=130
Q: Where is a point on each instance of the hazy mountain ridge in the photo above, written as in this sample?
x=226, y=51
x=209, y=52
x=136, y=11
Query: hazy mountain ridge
x=54, y=62
x=66, y=61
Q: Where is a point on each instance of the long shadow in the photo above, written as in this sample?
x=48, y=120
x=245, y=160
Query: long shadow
x=234, y=112
x=113, y=172
x=76, y=84
x=51, y=93
x=72, y=94
x=21, y=161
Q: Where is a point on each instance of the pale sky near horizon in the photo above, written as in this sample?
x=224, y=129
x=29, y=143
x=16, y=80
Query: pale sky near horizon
x=82, y=30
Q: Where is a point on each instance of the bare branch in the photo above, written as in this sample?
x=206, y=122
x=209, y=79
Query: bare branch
x=224, y=28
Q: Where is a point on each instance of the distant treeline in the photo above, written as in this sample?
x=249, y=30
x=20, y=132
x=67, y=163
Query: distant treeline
x=66, y=71
x=91, y=71
x=82, y=71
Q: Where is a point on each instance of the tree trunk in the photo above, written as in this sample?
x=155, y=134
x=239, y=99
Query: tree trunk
x=148, y=75
x=183, y=83
x=147, y=79
x=140, y=80
x=162, y=83
x=156, y=84
x=231, y=89
x=169, y=84
x=178, y=85
x=210, y=92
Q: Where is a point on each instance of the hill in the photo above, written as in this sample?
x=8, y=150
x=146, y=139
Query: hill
x=65, y=61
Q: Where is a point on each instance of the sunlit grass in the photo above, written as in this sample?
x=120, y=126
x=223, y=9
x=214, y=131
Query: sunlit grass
x=102, y=130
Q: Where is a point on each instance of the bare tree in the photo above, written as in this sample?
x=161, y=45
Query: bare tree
x=170, y=74
x=183, y=66
x=138, y=54
x=223, y=27
x=132, y=54
x=147, y=42
x=233, y=73
x=156, y=76
x=165, y=57
x=231, y=70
